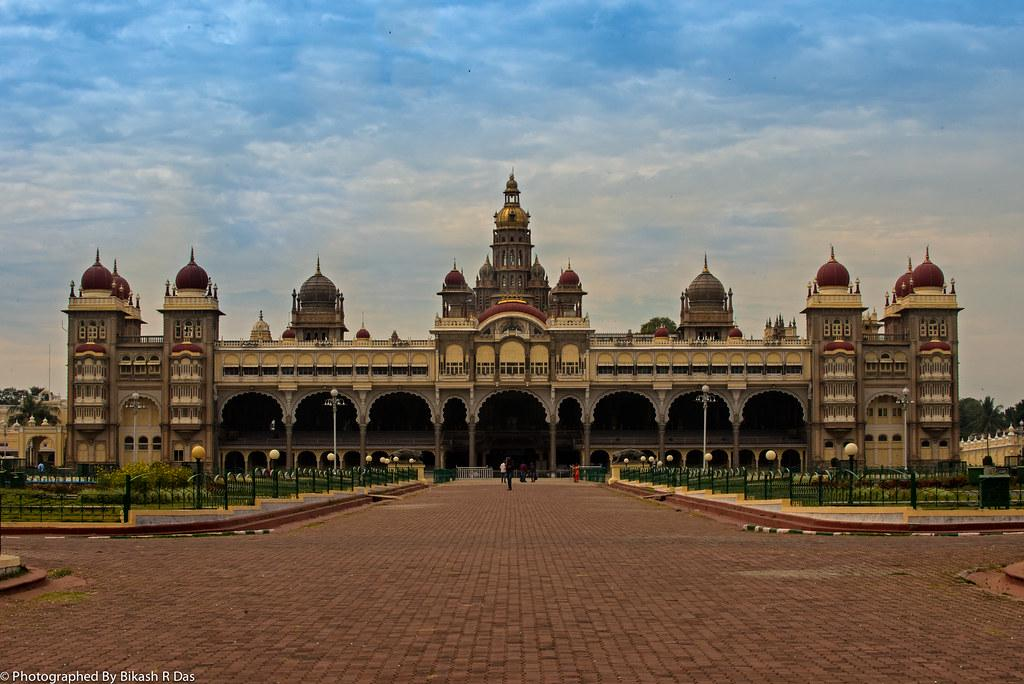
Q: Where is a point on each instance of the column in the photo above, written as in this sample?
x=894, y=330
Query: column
x=438, y=456
x=734, y=458
x=586, y=443
x=362, y=444
x=661, y=440
x=289, y=458
x=472, y=443
x=552, y=451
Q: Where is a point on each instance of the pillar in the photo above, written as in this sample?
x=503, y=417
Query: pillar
x=438, y=456
x=362, y=444
x=472, y=444
x=661, y=440
x=734, y=457
x=552, y=450
x=289, y=458
x=586, y=443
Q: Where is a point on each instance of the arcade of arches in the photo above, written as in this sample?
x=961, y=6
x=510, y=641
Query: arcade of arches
x=510, y=424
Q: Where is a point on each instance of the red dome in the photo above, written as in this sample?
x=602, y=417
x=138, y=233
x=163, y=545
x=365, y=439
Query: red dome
x=735, y=332
x=186, y=348
x=833, y=274
x=192, y=276
x=521, y=307
x=928, y=274
x=454, y=279
x=661, y=332
x=288, y=334
x=90, y=348
x=839, y=345
x=569, y=278
x=936, y=345
x=97, y=277
x=119, y=287
x=362, y=334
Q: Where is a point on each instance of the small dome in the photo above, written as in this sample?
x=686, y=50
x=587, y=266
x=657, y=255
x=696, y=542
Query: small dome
x=288, y=334
x=905, y=283
x=832, y=273
x=319, y=292
x=537, y=271
x=512, y=214
x=928, y=274
x=260, y=331
x=661, y=332
x=486, y=270
x=511, y=185
x=362, y=334
x=839, y=345
x=736, y=332
x=119, y=287
x=454, y=278
x=936, y=345
x=192, y=276
x=569, y=278
x=97, y=277
x=706, y=291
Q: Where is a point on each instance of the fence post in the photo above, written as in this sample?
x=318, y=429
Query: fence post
x=821, y=490
x=127, y=503
x=913, y=489
x=296, y=471
x=744, y=483
x=850, y=499
x=790, y=487
x=226, y=482
x=314, y=479
x=253, y=497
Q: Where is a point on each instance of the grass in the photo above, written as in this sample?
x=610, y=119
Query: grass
x=64, y=598
x=57, y=573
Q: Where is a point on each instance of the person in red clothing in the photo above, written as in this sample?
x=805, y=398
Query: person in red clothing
x=576, y=473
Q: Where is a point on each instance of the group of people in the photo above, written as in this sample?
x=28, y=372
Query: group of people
x=508, y=470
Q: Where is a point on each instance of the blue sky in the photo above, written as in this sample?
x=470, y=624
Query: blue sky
x=379, y=135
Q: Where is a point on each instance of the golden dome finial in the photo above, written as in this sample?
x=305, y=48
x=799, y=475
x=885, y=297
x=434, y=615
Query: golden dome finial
x=706, y=263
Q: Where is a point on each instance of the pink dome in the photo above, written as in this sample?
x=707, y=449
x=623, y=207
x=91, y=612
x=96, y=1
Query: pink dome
x=833, y=274
x=928, y=274
x=502, y=307
x=192, y=276
x=454, y=279
x=735, y=332
x=362, y=334
x=569, y=278
x=661, y=332
x=97, y=277
x=288, y=334
x=839, y=345
x=119, y=287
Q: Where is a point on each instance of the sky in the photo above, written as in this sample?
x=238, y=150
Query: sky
x=379, y=135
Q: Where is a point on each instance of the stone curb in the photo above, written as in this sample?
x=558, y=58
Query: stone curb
x=818, y=533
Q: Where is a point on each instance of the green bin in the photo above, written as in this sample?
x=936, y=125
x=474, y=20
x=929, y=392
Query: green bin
x=974, y=473
x=994, y=491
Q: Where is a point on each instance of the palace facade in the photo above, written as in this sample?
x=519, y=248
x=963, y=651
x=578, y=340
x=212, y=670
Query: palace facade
x=512, y=367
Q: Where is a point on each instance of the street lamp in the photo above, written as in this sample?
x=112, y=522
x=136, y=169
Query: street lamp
x=770, y=455
x=330, y=459
x=333, y=403
x=904, y=401
x=669, y=459
x=198, y=454
x=135, y=404
x=705, y=398
x=707, y=460
x=274, y=455
x=851, y=450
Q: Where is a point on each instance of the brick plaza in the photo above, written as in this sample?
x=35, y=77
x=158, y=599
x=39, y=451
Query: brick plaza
x=552, y=582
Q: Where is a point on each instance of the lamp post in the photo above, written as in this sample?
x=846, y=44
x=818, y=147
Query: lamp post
x=705, y=398
x=274, y=455
x=707, y=460
x=333, y=403
x=330, y=459
x=904, y=401
x=770, y=456
x=198, y=454
x=851, y=450
x=135, y=404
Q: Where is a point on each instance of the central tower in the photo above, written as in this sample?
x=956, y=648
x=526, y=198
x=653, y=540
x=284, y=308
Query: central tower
x=512, y=271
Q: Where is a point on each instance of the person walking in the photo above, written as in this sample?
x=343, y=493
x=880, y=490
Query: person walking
x=522, y=472
x=508, y=472
x=504, y=470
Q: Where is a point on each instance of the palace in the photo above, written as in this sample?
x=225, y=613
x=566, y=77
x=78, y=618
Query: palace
x=513, y=368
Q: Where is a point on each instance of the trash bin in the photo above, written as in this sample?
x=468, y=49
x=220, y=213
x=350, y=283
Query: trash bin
x=974, y=473
x=17, y=480
x=994, y=491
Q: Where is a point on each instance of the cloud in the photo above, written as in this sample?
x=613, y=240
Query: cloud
x=379, y=136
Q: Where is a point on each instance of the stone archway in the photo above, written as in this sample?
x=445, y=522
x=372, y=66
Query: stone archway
x=512, y=424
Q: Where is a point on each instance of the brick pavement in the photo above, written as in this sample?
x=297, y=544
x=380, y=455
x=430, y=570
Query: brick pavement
x=553, y=582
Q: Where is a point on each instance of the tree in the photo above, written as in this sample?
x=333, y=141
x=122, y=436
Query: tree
x=990, y=419
x=1014, y=414
x=650, y=326
x=31, y=405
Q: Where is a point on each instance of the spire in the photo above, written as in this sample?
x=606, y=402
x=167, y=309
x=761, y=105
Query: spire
x=97, y=255
x=910, y=265
x=115, y=266
x=318, y=265
x=927, y=257
x=706, y=263
x=455, y=266
x=569, y=262
x=191, y=255
x=261, y=314
x=832, y=253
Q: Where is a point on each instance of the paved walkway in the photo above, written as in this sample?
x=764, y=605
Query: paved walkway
x=552, y=582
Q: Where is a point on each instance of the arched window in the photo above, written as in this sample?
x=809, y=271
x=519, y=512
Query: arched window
x=143, y=443
x=925, y=444
x=897, y=438
x=943, y=443
x=883, y=438
x=869, y=438
x=128, y=443
x=157, y=442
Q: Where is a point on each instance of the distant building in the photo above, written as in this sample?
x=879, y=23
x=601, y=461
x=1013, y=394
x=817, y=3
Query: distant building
x=29, y=443
x=513, y=368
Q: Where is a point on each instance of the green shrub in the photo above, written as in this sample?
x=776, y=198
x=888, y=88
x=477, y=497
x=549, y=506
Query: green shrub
x=159, y=474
